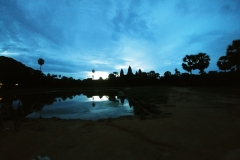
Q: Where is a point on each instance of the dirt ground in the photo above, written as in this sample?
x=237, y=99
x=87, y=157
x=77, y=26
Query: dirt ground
x=202, y=126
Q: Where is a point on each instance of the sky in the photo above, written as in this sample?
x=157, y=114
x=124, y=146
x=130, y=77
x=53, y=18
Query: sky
x=76, y=36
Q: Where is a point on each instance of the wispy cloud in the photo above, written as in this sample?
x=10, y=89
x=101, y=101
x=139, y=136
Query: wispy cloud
x=73, y=37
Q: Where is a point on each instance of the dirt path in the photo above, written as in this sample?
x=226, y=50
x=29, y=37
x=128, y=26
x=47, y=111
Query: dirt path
x=202, y=126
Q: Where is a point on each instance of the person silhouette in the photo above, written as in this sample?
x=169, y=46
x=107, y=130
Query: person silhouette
x=17, y=106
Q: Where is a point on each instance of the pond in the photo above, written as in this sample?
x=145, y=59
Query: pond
x=85, y=105
x=85, y=108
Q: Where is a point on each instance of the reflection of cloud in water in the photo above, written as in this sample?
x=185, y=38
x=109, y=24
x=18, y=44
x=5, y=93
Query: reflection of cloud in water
x=97, y=98
x=107, y=103
x=80, y=107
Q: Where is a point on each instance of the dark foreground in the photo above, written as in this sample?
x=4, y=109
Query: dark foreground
x=202, y=125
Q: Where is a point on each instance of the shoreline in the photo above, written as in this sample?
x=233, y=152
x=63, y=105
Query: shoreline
x=201, y=126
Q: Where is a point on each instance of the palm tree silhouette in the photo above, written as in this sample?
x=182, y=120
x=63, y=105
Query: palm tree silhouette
x=40, y=62
x=189, y=62
x=202, y=62
x=93, y=71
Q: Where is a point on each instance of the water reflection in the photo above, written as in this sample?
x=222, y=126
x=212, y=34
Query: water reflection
x=81, y=107
x=87, y=104
x=93, y=104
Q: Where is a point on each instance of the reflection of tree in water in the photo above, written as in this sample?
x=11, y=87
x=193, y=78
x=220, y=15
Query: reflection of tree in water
x=137, y=110
x=93, y=104
x=112, y=98
x=39, y=100
x=130, y=104
x=64, y=97
x=70, y=97
x=122, y=98
x=38, y=107
x=48, y=100
x=100, y=96
x=36, y=101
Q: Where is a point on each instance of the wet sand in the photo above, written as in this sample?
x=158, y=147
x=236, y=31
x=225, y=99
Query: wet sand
x=201, y=126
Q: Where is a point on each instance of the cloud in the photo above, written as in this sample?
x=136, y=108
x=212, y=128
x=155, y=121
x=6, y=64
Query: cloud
x=28, y=22
x=229, y=7
x=131, y=21
x=182, y=7
x=74, y=37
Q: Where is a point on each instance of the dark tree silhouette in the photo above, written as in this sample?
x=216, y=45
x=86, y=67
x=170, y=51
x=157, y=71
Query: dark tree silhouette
x=40, y=62
x=233, y=52
x=177, y=72
x=223, y=63
x=203, y=61
x=157, y=75
x=152, y=74
x=112, y=75
x=93, y=71
x=167, y=74
x=189, y=63
x=115, y=74
x=121, y=73
x=130, y=73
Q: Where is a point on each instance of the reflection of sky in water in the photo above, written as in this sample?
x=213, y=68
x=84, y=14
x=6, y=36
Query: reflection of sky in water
x=80, y=107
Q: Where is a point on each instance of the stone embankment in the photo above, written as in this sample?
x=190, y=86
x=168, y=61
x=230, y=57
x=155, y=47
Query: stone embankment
x=142, y=108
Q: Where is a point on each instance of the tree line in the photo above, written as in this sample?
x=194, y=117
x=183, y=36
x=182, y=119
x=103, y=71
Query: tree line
x=200, y=61
x=13, y=72
x=228, y=62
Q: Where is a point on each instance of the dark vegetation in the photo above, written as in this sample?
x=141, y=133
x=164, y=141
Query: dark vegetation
x=145, y=99
x=15, y=75
x=36, y=100
x=37, y=89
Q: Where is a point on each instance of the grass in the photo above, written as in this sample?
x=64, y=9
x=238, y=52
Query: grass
x=144, y=100
x=230, y=90
x=150, y=94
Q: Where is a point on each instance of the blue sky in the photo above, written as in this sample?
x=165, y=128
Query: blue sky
x=76, y=36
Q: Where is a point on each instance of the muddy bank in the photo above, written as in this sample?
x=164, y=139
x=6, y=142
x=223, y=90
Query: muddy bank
x=202, y=126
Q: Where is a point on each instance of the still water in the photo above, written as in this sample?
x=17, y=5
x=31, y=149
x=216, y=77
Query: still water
x=85, y=107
